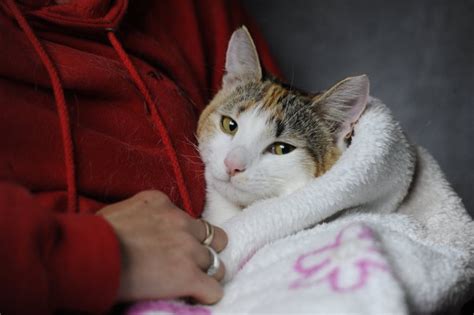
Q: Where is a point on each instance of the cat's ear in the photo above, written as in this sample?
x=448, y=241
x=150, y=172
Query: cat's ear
x=241, y=62
x=343, y=104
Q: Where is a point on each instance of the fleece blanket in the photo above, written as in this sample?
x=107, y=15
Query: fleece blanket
x=381, y=232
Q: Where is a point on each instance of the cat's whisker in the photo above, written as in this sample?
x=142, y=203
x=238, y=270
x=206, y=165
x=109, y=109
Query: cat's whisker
x=190, y=142
x=192, y=161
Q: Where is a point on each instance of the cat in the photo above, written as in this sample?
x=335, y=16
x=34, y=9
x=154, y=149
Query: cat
x=260, y=138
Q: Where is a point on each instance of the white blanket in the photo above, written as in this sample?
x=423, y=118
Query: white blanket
x=400, y=242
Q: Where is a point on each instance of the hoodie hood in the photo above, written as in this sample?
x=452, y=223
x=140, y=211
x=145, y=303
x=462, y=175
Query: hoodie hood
x=85, y=15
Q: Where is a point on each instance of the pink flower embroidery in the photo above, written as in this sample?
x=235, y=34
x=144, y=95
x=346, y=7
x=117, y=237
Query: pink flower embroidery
x=168, y=307
x=345, y=264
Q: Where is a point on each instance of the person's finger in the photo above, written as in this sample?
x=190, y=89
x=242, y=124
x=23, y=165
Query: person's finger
x=205, y=289
x=219, y=275
x=203, y=257
x=198, y=229
x=220, y=239
x=204, y=260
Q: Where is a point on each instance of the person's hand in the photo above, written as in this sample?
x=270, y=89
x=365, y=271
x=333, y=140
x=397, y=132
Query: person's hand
x=162, y=254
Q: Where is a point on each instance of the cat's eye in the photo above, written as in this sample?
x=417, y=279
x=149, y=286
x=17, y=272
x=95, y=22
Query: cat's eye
x=280, y=148
x=229, y=125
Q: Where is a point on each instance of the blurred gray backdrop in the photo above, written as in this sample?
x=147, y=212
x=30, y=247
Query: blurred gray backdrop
x=419, y=56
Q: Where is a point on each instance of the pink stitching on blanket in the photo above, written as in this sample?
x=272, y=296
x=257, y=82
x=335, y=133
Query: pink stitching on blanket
x=171, y=307
x=247, y=258
x=329, y=268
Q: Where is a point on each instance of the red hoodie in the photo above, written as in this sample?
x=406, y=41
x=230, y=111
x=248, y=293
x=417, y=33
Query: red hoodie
x=99, y=100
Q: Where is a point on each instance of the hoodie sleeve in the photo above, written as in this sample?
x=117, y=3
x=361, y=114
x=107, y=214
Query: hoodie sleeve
x=54, y=261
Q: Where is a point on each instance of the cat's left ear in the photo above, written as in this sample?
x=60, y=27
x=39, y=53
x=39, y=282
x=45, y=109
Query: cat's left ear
x=242, y=62
x=343, y=104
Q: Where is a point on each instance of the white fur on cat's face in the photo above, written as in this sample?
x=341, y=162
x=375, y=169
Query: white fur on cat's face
x=316, y=124
x=266, y=174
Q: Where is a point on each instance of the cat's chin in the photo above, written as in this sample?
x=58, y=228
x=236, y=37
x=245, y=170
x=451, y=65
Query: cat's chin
x=233, y=193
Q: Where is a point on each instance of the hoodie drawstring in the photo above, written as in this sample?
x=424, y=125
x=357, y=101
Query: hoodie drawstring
x=157, y=120
x=65, y=122
x=63, y=113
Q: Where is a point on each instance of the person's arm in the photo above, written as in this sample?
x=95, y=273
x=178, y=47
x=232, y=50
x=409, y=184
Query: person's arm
x=54, y=261
x=74, y=262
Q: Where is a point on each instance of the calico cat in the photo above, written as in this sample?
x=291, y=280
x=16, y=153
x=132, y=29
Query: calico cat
x=260, y=138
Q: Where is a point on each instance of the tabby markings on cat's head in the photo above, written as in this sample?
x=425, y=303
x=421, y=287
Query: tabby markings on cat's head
x=261, y=138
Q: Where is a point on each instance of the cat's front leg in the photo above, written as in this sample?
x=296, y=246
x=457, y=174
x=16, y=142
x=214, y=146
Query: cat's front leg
x=218, y=209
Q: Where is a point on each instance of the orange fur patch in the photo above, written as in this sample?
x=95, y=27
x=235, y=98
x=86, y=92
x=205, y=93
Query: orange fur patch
x=331, y=157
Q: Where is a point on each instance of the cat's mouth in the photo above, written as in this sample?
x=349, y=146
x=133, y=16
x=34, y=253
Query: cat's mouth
x=221, y=178
x=231, y=181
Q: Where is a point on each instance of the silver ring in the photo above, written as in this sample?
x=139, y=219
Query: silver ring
x=209, y=233
x=215, y=264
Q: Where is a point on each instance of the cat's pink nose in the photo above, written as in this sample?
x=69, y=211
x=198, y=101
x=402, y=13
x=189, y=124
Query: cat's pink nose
x=233, y=166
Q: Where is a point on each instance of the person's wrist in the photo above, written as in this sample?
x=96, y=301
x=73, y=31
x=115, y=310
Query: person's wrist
x=123, y=294
x=86, y=264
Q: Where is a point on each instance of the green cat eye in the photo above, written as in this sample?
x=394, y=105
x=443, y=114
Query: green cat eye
x=280, y=148
x=229, y=125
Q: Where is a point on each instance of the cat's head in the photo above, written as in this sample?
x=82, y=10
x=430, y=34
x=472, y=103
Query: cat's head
x=260, y=138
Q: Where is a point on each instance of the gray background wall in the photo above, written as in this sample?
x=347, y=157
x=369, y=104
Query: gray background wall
x=419, y=56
